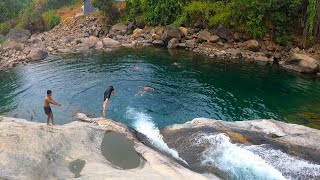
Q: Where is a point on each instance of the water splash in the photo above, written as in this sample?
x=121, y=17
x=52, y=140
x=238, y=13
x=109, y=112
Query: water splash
x=143, y=123
x=291, y=167
x=236, y=162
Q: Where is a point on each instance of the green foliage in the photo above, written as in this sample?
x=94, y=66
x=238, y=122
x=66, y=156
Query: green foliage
x=109, y=10
x=10, y=9
x=2, y=39
x=50, y=19
x=311, y=12
x=133, y=9
x=162, y=11
x=6, y=26
x=196, y=12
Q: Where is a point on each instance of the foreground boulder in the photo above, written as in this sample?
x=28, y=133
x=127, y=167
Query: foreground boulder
x=37, y=54
x=19, y=35
x=301, y=63
x=32, y=150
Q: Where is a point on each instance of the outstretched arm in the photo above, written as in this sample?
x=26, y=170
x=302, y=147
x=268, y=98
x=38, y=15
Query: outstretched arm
x=54, y=102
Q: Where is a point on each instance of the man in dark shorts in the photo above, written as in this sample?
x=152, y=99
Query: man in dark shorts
x=106, y=98
x=46, y=106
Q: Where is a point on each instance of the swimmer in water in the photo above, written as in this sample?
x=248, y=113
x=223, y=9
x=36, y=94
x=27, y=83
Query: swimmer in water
x=46, y=106
x=145, y=89
x=135, y=67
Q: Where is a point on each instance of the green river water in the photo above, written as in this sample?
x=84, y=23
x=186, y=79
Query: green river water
x=187, y=85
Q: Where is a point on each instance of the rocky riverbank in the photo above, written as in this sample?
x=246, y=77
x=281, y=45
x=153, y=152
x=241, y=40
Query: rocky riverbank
x=86, y=33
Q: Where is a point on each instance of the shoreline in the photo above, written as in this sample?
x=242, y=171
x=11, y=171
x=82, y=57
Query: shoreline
x=87, y=34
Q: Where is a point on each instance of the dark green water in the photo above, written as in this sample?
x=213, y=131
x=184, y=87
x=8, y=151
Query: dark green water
x=196, y=87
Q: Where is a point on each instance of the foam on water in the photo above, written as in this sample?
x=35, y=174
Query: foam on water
x=235, y=161
x=291, y=167
x=143, y=123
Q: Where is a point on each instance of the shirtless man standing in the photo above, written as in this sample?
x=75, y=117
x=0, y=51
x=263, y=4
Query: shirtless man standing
x=46, y=106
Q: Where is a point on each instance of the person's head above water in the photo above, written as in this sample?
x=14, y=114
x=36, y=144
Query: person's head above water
x=49, y=92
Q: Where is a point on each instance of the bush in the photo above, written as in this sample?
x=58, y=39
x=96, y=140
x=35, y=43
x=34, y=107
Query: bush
x=50, y=19
x=162, y=11
x=196, y=11
x=111, y=14
x=2, y=39
x=6, y=26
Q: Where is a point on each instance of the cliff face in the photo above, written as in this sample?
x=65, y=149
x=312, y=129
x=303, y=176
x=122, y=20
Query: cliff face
x=36, y=151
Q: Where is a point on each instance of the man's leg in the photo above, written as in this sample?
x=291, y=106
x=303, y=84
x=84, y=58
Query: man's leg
x=104, y=106
x=52, y=118
x=48, y=119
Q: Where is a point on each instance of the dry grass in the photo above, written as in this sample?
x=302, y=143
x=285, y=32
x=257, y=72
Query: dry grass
x=68, y=12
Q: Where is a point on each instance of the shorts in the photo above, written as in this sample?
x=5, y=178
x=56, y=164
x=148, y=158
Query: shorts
x=47, y=110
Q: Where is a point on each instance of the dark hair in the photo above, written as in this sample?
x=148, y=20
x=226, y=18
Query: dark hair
x=49, y=92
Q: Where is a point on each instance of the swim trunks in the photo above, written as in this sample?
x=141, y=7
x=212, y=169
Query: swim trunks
x=47, y=110
x=108, y=92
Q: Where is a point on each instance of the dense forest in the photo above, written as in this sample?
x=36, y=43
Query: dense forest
x=284, y=20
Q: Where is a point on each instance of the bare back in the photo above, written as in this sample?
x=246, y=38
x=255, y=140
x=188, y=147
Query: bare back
x=47, y=101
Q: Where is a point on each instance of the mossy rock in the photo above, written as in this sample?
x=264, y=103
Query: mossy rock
x=312, y=119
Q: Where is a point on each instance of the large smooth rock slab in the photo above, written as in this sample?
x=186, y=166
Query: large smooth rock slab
x=301, y=63
x=19, y=35
x=37, y=54
x=32, y=150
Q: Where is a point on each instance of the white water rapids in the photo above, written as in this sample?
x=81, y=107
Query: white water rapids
x=254, y=161
x=143, y=123
x=235, y=161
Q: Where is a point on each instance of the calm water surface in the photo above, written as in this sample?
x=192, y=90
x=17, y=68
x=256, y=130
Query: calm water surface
x=187, y=85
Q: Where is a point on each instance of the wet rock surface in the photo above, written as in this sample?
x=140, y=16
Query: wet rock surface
x=36, y=151
x=295, y=140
